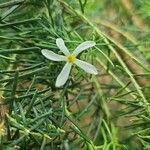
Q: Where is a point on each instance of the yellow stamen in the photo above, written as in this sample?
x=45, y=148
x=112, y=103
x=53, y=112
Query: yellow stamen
x=71, y=58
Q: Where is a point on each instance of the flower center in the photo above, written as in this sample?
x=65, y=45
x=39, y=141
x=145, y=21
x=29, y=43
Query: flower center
x=71, y=58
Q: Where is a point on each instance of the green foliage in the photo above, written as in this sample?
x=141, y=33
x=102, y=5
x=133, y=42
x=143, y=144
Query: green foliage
x=109, y=111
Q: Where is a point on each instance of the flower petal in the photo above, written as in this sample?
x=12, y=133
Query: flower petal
x=86, y=66
x=61, y=45
x=52, y=56
x=83, y=46
x=64, y=74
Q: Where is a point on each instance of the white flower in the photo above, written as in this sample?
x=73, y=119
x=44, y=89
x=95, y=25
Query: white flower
x=70, y=58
